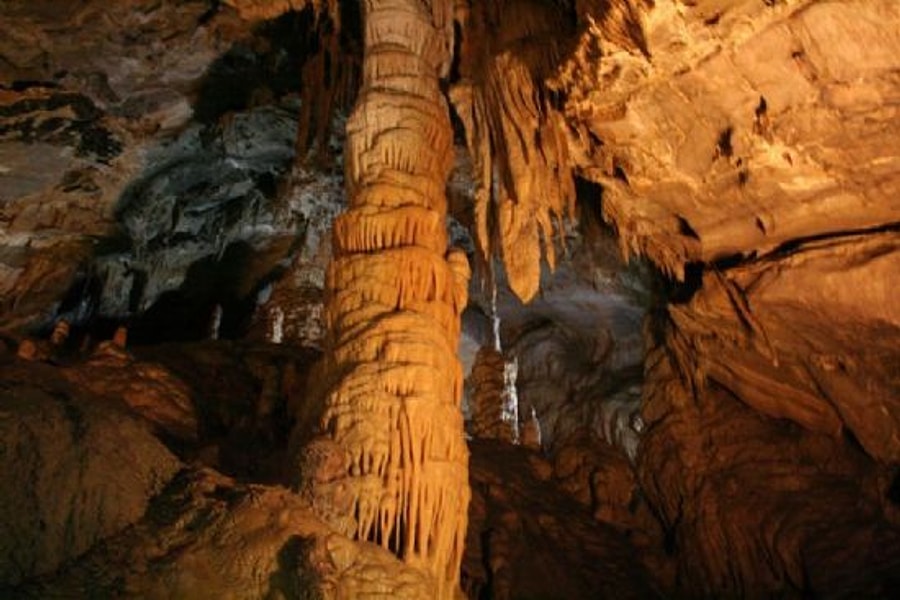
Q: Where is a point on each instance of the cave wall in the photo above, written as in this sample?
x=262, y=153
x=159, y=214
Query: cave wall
x=745, y=148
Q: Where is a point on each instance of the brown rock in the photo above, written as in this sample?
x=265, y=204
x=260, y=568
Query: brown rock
x=75, y=470
x=528, y=539
x=206, y=536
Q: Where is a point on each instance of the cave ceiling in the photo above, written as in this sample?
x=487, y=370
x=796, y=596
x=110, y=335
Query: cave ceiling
x=719, y=131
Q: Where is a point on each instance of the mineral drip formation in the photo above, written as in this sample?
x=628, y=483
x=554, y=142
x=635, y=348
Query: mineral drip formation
x=388, y=461
x=524, y=187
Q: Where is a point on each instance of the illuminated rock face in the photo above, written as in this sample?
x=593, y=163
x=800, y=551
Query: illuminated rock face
x=389, y=464
x=522, y=172
x=746, y=148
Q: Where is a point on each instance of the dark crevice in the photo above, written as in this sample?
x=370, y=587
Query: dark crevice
x=729, y=261
x=589, y=207
x=761, y=108
x=211, y=12
x=723, y=144
x=681, y=292
x=22, y=85
x=268, y=65
x=455, y=74
x=684, y=228
x=185, y=314
x=893, y=491
x=796, y=245
x=459, y=128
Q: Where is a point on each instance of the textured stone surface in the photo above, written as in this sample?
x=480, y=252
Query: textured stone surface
x=205, y=536
x=529, y=540
x=756, y=506
x=388, y=461
x=148, y=389
x=783, y=112
x=133, y=179
x=75, y=470
x=175, y=164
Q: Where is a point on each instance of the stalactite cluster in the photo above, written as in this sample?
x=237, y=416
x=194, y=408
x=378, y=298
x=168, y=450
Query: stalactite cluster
x=398, y=468
x=329, y=79
x=515, y=136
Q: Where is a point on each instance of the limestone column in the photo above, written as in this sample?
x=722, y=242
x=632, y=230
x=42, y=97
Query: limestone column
x=389, y=463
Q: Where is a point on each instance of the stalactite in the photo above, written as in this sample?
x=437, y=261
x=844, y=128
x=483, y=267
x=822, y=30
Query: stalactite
x=388, y=462
x=329, y=78
x=329, y=75
x=524, y=185
x=495, y=401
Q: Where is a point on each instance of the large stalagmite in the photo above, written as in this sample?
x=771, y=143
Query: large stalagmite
x=388, y=461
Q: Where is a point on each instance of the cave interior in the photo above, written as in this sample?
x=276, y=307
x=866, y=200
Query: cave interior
x=485, y=299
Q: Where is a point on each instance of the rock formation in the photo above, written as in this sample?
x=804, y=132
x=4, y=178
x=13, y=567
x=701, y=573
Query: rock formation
x=726, y=133
x=206, y=536
x=389, y=462
x=522, y=172
x=76, y=470
x=521, y=545
x=486, y=402
x=719, y=417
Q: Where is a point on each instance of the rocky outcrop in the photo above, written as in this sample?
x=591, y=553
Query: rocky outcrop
x=764, y=330
x=527, y=539
x=148, y=389
x=75, y=470
x=724, y=129
x=84, y=87
x=244, y=396
x=724, y=135
x=757, y=506
x=759, y=404
x=206, y=536
x=132, y=181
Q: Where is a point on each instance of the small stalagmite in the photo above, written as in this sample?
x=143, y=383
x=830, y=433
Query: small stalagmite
x=386, y=461
x=531, y=432
x=120, y=337
x=60, y=333
x=487, y=402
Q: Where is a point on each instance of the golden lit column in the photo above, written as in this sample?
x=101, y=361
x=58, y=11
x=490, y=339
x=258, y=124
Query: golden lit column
x=392, y=429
